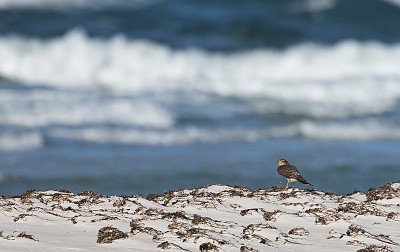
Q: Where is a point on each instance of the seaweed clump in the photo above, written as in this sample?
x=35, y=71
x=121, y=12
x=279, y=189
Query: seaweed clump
x=376, y=248
x=208, y=246
x=387, y=191
x=27, y=236
x=109, y=234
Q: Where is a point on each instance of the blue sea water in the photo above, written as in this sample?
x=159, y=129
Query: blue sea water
x=144, y=96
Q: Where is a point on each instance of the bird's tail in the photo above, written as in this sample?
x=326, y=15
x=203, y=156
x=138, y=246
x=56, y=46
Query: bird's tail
x=302, y=180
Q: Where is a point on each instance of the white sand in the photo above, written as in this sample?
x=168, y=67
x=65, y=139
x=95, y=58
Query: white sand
x=220, y=217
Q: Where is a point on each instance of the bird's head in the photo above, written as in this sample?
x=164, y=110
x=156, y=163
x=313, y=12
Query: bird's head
x=282, y=162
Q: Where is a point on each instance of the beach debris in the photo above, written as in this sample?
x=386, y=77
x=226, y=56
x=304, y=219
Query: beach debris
x=376, y=248
x=91, y=198
x=386, y=191
x=164, y=245
x=26, y=197
x=27, y=236
x=119, y=202
x=138, y=227
x=248, y=211
x=357, y=230
x=392, y=216
x=208, y=247
x=21, y=217
x=211, y=218
x=300, y=231
x=20, y=235
x=109, y=234
x=247, y=249
x=271, y=216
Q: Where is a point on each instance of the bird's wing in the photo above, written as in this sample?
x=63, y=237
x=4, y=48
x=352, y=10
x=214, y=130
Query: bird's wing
x=288, y=171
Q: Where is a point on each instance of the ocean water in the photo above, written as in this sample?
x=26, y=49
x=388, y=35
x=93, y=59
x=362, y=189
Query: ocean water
x=144, y=96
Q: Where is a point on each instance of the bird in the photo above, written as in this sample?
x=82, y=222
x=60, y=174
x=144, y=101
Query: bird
x=290, y=172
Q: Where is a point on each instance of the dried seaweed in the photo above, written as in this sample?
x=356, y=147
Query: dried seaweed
x=109, y=234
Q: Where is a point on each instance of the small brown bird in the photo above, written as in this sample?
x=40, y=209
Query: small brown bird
x=290, y=172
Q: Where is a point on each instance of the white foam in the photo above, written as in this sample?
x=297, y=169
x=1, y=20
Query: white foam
x=48, y=107
x=20, y=141
x=350, y=78
x=394, y=2
x=187, y=135
x=311, y=6
x=366, y=130
x=362, y=130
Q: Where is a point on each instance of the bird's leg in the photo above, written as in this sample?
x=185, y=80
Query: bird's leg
x=287, y=184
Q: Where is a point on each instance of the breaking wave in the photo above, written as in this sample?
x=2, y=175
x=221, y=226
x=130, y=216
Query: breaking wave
x=370, y=130
x=20, y=141
x=121, y=91
x=361, y=131
x=350, y=78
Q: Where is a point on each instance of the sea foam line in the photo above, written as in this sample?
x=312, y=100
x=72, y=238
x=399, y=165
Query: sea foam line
x=349, y=78
x=361, y=131
x=138, y=65
x=20, y=141
x=366, y=130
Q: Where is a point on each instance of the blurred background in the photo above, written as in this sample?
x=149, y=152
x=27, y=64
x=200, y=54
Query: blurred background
x=144, y=96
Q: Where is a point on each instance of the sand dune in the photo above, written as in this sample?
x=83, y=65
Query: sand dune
x=211, y=218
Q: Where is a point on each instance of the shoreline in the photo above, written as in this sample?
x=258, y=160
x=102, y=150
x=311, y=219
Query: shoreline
x=210, y=218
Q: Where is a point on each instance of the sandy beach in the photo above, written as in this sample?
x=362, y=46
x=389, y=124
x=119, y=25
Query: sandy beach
x=211, y=218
